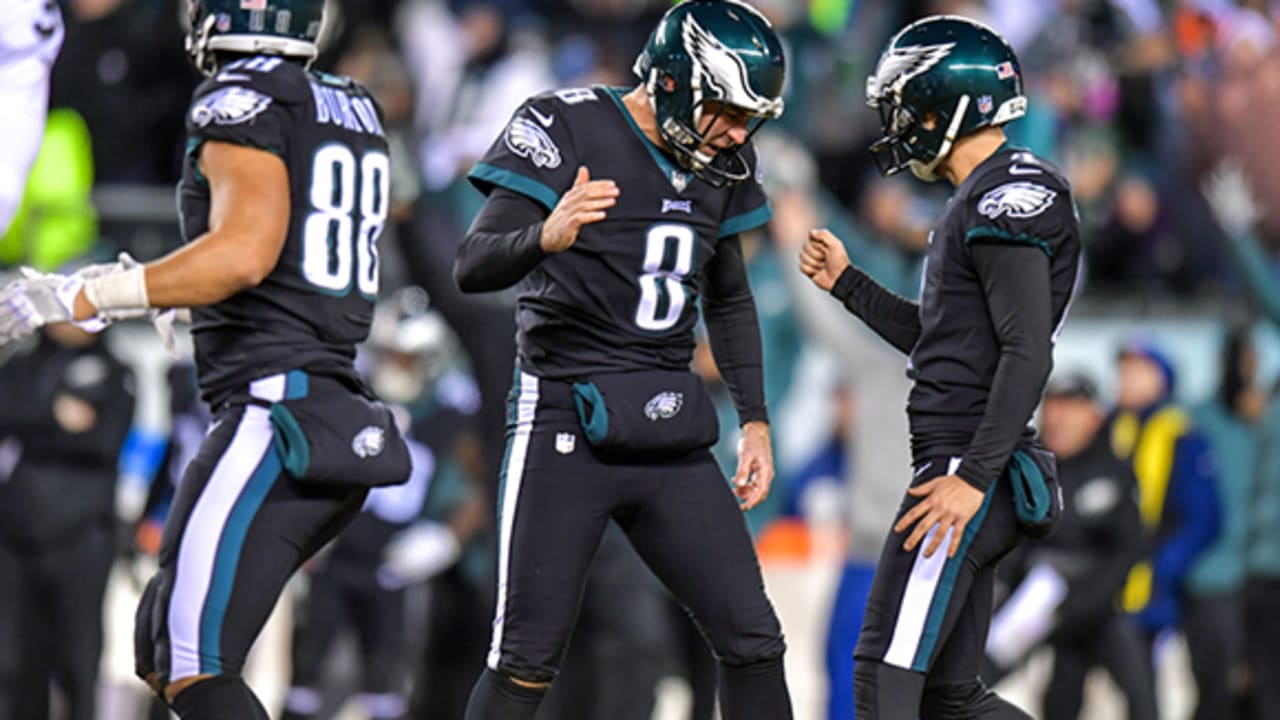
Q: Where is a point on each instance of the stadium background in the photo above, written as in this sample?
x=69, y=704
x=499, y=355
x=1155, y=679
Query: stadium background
x=1140, y=101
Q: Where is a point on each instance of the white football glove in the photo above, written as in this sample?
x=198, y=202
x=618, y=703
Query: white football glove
x=418, y=553
x=36, y=300
x=162, y=320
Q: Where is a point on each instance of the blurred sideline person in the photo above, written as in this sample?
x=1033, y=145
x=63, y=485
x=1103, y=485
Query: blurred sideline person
x=284, y=194
x=1070, y=583
x=1177, y=485
x=1214, y=621
x=29, y=41
x=1262, y=570
x=616, y=214
x=67, y=405
x=1000, y=272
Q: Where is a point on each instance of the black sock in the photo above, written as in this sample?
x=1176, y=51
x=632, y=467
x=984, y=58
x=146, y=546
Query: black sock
x=754, y=691
x=220, y=697
x=497, y=697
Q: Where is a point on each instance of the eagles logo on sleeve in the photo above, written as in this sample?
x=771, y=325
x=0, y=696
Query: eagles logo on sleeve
x=1019, y=200
x=229, y=106
x=527, y=139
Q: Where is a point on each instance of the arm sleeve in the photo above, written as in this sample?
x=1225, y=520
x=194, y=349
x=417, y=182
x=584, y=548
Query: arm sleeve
x=502, y=245
x=1015, y=280
x=729, y=311
x=891, y=316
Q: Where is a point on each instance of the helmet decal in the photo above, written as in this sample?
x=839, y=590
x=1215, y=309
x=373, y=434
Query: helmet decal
x=719, y=66
x=900, y=64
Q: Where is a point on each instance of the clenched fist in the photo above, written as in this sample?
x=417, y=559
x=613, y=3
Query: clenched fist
x=823, y=258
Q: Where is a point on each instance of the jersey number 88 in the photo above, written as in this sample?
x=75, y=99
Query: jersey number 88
x=340, y=238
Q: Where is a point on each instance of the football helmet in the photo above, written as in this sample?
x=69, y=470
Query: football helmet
x=941, y=78
x=289, y=28
x=703, y=50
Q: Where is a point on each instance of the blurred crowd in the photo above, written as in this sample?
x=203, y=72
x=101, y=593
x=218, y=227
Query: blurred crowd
x=1160, y=113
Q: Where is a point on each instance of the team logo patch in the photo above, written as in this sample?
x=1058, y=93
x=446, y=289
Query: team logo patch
x=229, y=106
x=369, y=442
x=565, y=442
x=1018, y=200
x=526, y=139
x=664, y=406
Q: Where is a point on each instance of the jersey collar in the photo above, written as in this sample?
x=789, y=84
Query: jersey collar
x=679, y=179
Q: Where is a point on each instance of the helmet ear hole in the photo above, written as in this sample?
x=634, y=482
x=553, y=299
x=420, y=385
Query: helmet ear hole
x=668, y=83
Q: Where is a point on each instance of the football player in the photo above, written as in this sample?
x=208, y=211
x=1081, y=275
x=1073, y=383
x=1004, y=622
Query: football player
x=615, y=212
x=29, y=43
x=1000, y=271
x=283, y=196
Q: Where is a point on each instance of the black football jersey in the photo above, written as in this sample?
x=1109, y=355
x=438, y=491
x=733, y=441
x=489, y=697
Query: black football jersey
x=625, y=295
x=317, y=303
x=1012, y=197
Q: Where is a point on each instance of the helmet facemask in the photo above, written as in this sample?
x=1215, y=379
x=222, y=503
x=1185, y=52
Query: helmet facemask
x=915, y=141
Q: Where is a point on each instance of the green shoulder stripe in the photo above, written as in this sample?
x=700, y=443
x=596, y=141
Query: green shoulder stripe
x=746, y=221
x=516, y=182
x=991, y=234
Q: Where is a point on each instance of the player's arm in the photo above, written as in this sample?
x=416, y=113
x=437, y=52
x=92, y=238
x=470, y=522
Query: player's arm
x=513, y=233
x=503, y=243
x=1015, y=280
x=729, y=311
x=889, y=315
x=249, y=208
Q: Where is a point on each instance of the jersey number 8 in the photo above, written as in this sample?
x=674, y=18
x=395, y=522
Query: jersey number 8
x=339, y=239
x=668, y=259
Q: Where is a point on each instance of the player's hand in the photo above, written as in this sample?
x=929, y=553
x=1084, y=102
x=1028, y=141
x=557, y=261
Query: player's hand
x=755, y=465
x=947, y=503
x=823, y=258
x=34, y=301
x=586, y=202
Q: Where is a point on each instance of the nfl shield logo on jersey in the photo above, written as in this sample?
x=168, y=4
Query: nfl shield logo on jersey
x=369, y=442
x=565, y=442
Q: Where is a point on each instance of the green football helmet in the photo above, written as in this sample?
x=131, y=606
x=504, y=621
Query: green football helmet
x=288, y=28
x=940, y=79
x=711, y=50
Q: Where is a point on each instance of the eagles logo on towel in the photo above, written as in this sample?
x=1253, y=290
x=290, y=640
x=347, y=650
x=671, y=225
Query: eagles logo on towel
x=528, y=140
x=664, y=406
x=1018, y=200
x=229, y=106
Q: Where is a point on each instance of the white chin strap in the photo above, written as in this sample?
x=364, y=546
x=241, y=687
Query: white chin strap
x=928, y=171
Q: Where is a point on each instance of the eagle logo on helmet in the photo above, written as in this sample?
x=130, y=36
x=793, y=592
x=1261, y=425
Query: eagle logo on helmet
x=720, y=67
x=526, y=139
x=1019, y=200
x=900, y=64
